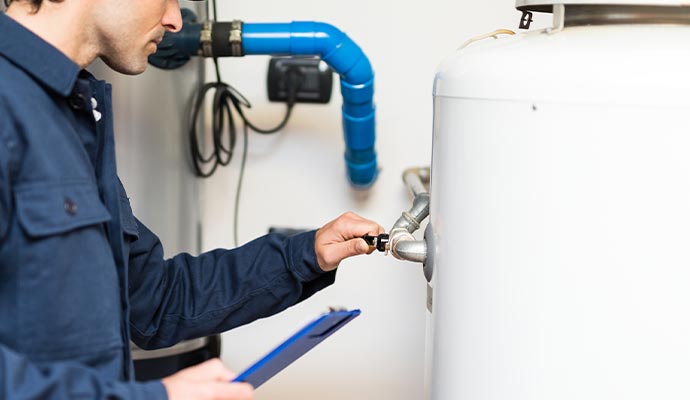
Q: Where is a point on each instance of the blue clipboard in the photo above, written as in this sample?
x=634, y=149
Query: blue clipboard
x=296, y=346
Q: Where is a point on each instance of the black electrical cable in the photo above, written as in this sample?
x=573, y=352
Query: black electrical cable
x=239, y=185
x=226, y=99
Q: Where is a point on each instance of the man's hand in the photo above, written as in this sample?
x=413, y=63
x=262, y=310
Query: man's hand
x=207, y=381
x=342, y=238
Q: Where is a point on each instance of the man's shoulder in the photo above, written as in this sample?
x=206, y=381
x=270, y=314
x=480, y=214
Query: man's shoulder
x=20, y=94
x=16, y=84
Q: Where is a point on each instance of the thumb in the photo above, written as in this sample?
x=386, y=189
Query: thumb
x=334, y=253
x=360, y=246
x=352, y=247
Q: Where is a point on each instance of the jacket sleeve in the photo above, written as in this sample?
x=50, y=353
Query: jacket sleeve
x=21, y=379
x=187, y=297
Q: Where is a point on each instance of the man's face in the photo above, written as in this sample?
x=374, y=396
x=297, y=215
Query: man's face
x=128, y=31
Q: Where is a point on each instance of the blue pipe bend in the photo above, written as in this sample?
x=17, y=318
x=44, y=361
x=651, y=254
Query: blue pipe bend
x=356, y=82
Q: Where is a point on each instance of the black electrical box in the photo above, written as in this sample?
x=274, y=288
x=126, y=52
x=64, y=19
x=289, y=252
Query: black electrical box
x=300, y=80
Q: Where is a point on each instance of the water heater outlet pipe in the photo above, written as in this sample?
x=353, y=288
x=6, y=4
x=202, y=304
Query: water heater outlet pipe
x=415, y=179
x=403, y=245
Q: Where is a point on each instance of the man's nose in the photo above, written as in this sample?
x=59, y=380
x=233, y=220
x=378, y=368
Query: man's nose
x=172, y=19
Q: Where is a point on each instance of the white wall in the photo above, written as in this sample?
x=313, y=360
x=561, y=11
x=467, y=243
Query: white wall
x=297, y=179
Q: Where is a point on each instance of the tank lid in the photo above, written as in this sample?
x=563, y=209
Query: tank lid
x=547, y=5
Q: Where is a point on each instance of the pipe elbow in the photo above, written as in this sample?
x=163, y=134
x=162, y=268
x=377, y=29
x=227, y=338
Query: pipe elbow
x=342, y=53
x=357, y=88
x=414, y=250
x=328, y=37
x=310, y=38
x=403, y=246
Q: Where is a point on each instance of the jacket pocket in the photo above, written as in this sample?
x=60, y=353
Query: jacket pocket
x=49, y=209
x=68, y=301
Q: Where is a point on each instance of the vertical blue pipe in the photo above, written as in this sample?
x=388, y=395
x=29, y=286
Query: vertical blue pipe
x=356, y=82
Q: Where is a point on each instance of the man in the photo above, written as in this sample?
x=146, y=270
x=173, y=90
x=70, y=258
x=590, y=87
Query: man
x=79, y=276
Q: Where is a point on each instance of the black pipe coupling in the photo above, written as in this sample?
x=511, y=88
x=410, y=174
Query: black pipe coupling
x=207, y=39
x=226, y=39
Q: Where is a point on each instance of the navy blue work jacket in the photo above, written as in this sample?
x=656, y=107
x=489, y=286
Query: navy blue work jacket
x=79, y=276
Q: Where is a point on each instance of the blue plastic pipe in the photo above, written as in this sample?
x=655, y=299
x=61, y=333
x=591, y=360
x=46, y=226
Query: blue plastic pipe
x=356, y=82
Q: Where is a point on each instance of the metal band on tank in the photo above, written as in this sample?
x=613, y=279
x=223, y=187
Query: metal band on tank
x=579, y=15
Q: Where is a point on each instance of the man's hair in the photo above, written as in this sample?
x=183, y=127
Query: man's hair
x=35, y=3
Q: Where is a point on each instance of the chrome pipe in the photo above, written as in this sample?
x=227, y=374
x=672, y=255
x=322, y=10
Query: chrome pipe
x=410, y=250
x=416, y=180
x=402, y=244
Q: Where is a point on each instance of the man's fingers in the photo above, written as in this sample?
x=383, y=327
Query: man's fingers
x=351, y=225
x=207, y=381
x=209, y=370
x=342, y=238
x=231, y=391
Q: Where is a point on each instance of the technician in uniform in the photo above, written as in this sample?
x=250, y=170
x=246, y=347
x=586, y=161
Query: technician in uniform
x=80, y=276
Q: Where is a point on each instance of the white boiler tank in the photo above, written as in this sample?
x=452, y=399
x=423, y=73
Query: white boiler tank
x=560, y=208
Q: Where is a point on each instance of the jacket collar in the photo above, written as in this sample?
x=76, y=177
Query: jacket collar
x=36, y=57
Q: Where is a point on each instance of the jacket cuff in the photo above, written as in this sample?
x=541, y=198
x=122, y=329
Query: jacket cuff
x=302, y=257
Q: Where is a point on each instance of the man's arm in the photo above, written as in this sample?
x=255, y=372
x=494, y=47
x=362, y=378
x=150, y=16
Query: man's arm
x=187, y=297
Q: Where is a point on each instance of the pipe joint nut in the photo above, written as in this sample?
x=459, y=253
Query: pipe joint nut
x=235, y=38
x=411, y=221
x=206, y=40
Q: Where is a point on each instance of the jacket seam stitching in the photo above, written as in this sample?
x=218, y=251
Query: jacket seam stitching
x=170, y=317
x=254, y=293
